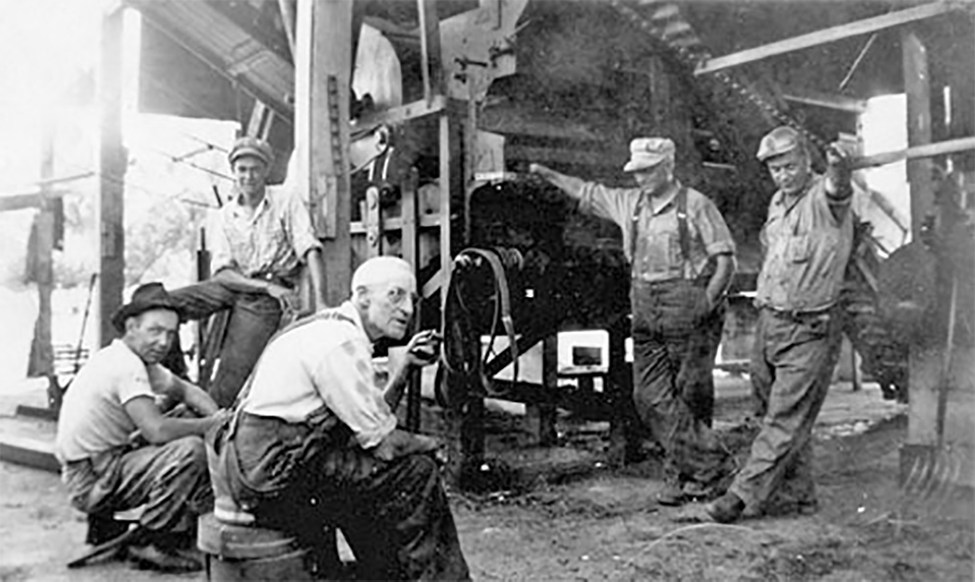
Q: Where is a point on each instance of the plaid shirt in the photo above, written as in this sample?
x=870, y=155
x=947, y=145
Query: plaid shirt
x=271, y=243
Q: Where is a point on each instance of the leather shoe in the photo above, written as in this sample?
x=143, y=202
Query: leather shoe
x=725, y=509
x=150, y=556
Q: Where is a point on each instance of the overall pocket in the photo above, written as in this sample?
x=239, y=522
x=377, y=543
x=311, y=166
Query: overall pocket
x=671, y=309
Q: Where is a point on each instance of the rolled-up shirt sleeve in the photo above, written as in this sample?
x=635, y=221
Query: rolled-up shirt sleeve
x=609, y=203
x=615, y=204
x=299, y=223
x=714, y=231
x=134, y=383
x=345, y=379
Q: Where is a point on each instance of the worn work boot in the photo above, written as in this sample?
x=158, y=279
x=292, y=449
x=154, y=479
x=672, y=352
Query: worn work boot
x=695, y=491
x=671, y=495
x=725, y=509
x=808, y=507
x=102, y=527
x=150, y=556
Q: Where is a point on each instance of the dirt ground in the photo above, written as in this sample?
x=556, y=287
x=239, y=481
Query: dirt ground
x=606, y=526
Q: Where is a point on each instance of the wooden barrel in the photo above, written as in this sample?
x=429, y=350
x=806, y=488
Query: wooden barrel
x=237, y=553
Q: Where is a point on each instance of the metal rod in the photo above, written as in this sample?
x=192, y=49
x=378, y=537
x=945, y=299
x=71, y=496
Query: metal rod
x=856, y=61
x=922, y=151
x=84, y=322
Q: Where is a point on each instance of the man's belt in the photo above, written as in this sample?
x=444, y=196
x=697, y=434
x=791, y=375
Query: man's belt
x=286, y=282
x=663, y=283
x=798, y=314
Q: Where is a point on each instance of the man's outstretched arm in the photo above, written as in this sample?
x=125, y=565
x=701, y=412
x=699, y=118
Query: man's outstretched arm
x=568, y=184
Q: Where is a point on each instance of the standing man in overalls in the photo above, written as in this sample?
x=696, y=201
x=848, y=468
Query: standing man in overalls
x=682, y=259
x=807, y=237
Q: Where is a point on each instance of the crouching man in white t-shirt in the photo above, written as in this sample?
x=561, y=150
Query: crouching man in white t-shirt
x=117, y=448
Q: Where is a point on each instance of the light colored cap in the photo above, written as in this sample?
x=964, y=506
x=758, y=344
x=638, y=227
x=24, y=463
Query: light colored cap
x=383, y=270
x=251, y=146
x=781, y=140
x=647, y=152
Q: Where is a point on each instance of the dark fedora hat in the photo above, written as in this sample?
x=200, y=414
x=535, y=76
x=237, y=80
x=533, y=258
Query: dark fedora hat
x=146, y=297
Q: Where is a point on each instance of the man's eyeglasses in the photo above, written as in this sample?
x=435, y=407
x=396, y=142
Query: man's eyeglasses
x=397, y=295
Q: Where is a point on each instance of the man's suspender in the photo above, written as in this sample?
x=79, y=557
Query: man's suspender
x=238, y=408
x=683, y=234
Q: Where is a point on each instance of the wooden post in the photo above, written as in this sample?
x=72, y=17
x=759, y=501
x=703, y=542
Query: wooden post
x=112, y=165
x=923, y=368
x=542, y=415
x=618, y=387
x=323, y=70
x=411, y=250
x=446, y=177
x=917, y=87
x=431, y=68
x=41, y=351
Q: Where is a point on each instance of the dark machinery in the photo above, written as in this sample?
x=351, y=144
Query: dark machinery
x=456, y=97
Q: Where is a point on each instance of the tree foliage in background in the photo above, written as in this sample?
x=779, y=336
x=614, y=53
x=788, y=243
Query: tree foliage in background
x=169, y=230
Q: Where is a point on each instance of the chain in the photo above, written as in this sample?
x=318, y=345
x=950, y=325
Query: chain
x=692, y=59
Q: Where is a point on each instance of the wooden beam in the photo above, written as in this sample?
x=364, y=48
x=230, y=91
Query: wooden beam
x=112, y=166
x=433, y=285
x=30, y=452
x=323, y=65
x=261, y=120
x=395, y=223
x=288, y=20
x=824, y=36
x=825, y=100
x=431, y=69
x=395, y=115
x=27, y=199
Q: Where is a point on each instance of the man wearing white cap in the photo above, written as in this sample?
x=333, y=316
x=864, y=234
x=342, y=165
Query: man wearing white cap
x=314, y=438
x=682, y=259
x=807, y=237
x=258, y=242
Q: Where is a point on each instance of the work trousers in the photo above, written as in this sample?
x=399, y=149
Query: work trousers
x=675, y=340
x=254, y=318
x=170, y=479
x=792, y=365
x=395, y=515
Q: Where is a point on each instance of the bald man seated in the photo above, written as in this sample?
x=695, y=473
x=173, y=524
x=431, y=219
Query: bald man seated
x=314, y=438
